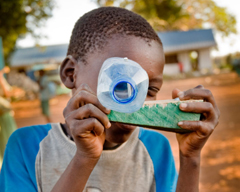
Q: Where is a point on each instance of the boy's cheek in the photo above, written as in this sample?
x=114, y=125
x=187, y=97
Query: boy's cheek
x=151, y=98
x=87, y=76
x=92, y=85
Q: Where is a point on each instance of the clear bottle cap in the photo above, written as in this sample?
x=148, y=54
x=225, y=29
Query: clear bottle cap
x=122, y=85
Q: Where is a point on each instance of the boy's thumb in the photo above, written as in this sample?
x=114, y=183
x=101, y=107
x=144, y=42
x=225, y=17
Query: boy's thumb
x=175, y=93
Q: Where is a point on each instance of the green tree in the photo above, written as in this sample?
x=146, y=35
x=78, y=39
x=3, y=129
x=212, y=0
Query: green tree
x=205, y=13
x=19, y=17
x=165, y=15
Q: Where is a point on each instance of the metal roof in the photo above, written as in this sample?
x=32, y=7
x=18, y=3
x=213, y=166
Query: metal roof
x=34, y=55
x=173, y=42
x=176, y=41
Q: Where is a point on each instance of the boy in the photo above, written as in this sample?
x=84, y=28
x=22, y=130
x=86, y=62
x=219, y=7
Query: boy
x=89, y=153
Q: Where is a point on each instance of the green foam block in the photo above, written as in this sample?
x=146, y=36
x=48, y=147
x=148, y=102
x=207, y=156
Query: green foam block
x=162, y=116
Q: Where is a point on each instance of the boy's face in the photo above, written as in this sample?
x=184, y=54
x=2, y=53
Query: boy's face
x=149, y=55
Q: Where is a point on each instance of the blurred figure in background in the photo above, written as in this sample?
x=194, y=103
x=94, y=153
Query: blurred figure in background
x=180, y=66
x=7, y=122
x=47, y=91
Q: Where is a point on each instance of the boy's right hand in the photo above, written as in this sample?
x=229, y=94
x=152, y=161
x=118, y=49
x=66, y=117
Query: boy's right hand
x=86, y=120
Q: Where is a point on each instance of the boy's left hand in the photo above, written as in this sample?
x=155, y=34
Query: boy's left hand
x=190, y=144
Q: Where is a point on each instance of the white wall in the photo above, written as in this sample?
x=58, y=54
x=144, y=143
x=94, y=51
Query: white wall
x=171, y=69
x=204, y=62
x=204, y=59
x=183, y=57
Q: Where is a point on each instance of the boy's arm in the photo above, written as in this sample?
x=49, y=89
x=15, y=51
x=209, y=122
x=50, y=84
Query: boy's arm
x=86, y=120
x=17, y=172
x=191, y=144
x=188, y=179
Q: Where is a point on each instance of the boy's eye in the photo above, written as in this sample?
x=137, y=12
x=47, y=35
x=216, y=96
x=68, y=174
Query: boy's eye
x=152, y=91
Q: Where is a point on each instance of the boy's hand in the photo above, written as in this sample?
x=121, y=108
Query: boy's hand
x=86, y=119
x=190, y=144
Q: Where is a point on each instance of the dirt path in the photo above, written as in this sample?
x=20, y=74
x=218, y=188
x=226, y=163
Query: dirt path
x=220, y=168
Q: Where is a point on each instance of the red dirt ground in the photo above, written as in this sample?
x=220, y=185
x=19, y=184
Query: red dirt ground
x=220, y=165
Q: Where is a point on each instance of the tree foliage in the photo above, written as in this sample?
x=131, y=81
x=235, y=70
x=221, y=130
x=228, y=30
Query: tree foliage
x=19, y=17
x=165, y=15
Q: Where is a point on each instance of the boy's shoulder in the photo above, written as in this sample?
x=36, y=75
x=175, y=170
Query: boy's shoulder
x=19, y=158
x=28, y=138
x=35, y=132
x=152, y=137
x=157, y=146
x=159, y=150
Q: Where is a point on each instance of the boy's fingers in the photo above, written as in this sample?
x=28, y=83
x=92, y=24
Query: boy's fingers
x=198, y=107
x=91, y=111
x=199, y=92
x=204, y=94
x=84, y=97
x=196, y=94
x=175, y=93
x=203, y=129
x=84, y=127
x=199, y=87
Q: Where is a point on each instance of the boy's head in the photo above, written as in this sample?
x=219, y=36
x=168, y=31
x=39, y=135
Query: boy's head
x=98, y=30
x=112, y=32
x=94, y=30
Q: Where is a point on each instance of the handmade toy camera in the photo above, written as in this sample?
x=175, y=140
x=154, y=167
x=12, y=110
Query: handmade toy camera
x=123, y=86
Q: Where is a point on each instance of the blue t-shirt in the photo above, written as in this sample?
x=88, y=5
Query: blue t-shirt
x=36, y=156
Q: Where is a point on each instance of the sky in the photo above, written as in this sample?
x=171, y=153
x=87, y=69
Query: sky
x=59, y=27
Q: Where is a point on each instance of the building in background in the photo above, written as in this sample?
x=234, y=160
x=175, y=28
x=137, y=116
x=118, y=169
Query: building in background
x=38, y=57
x=185, y=51
x=26, y=63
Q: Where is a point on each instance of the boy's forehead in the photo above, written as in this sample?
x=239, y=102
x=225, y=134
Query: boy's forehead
x=147, y=54
x=134, y=46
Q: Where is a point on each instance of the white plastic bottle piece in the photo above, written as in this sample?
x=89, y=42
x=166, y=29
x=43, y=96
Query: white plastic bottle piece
x=122, y=85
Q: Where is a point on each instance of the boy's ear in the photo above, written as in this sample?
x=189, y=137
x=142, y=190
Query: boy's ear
x=67, y=71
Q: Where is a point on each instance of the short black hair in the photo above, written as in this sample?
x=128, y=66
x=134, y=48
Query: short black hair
x=92, y=31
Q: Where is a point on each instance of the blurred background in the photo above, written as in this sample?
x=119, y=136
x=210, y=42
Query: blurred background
x=201, y=40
